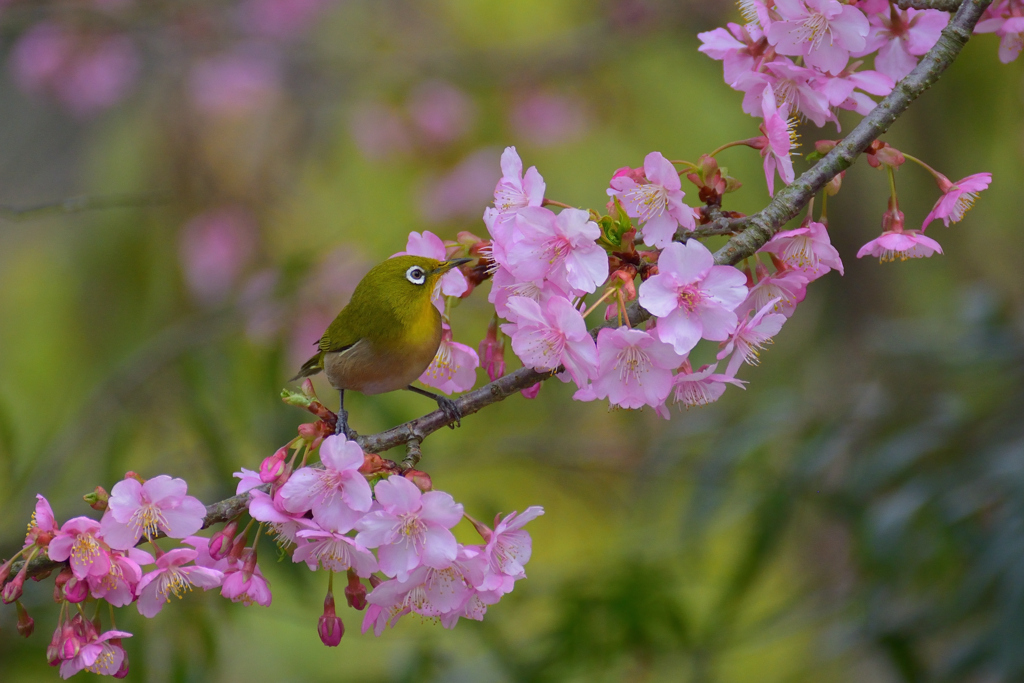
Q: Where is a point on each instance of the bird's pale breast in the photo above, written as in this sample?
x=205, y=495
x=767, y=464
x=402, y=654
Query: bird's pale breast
x=375, y=368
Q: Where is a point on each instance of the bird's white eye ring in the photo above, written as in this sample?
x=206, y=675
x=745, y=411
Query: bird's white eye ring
x=416, y=275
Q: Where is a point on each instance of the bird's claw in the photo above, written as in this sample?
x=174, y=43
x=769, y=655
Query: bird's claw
x=451, y=411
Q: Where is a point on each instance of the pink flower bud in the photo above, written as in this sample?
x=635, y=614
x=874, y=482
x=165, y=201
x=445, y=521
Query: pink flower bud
x=492, y=350
x=273, y=467
x=420, y=478
x=238, y=546
x=355, y=592
x=26, y=625
x=220, y=544
x=330, y=627
x=5, y=570
x=481, y=528
x=307, y=388
x=59, y=583
x=635, y=174
x=531, y=392
x=76, y=591
x=12, y=591
x=372, y=463
x=824, y=146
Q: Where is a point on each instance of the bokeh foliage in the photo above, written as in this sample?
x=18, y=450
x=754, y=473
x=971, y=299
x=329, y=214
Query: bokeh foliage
x=855, y=514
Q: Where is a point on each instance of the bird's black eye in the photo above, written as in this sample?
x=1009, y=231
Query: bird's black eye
x=416, y=275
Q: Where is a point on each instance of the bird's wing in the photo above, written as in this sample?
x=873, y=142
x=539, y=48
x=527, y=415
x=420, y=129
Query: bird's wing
x=339, y=336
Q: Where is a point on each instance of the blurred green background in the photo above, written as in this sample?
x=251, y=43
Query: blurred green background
x=857, y=514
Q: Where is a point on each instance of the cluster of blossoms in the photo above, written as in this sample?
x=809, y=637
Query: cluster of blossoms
x=331, y=517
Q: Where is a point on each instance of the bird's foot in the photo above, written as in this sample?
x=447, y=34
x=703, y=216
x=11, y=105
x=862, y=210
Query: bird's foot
x=342, y=428
x=451, y=411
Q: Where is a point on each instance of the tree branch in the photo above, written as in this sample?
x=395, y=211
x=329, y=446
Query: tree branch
x=791, y=200
x=759, y=229
x=944, y=5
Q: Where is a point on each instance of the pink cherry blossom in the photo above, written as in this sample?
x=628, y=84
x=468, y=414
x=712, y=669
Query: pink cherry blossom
x=42, y=527
x=842, y=89
x=119, y=584
x=430, y=592
x=957, y=198
x=453, y=283
x=244, y=582
x=338, y=495
x=411, y=528
x=807, y=249
x=283, y=524
x=516, y=191
x=738, y=48
x=746, y=343
x=454, y=366
x=171, y=577
x=96, y=654
x=329, y=550
x=692, y=297
x=508, y=549
x=657, y=203
x=902, y=245
x=634, y=369
x=142, y=510
x=552, y=336
x=900, y=37
x=796, y=86
x=780, y=131
x=1010, y=30
x=505, y=285
x=823, y=32
x=788, y=286
x=80, y=539
x=248, y=479
x=201, y=544
x=699, y=388
x=558, y=247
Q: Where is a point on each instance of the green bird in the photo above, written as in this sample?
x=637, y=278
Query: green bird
x=387, y=335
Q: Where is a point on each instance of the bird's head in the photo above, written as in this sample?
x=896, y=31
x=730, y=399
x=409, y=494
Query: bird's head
x=407, y=279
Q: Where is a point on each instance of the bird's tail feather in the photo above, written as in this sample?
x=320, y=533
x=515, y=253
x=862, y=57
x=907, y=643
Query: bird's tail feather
x=310, y=367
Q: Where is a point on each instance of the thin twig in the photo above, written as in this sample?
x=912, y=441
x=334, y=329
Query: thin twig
x=82, y=203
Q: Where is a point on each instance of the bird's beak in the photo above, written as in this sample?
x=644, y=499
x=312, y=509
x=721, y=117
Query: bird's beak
x=448, y=265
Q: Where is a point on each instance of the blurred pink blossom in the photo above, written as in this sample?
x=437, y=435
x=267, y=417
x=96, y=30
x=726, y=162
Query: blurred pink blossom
x=235, y=82
x=441, y=112
x=216, y=246
x=282, y=19
x=378, y=131
x=85, y=73
x=461, y=192
x=545, y=119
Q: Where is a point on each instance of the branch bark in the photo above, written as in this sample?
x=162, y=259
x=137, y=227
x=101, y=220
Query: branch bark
x=944, y=5
x=759, y=228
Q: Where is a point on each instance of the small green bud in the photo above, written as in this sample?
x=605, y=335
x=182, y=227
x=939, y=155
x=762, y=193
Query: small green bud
x=294, y=398
x=97, y=500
